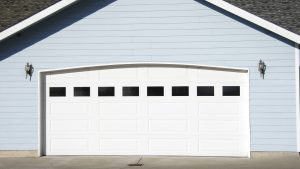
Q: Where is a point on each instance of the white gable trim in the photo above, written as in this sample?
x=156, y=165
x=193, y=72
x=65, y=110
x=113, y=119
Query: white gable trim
x=256, y=20
x=219, y=3
x=35, y=18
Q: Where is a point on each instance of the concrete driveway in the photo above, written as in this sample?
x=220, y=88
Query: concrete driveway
x=149, y=162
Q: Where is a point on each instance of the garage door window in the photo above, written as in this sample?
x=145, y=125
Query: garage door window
x=180, y=91
x=131, y=91
x=231, y=90
x=205, y=91
x=81, y=91
x=155, y=91
x=106, y=91
x=57, y=92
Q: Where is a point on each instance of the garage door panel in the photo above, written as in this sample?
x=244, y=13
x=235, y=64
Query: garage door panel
x=165, y=117
x=221, y=108
x=118, y=117
x=166, y=146
x=219, y=111
x=119, y=145
x=221, y=145
x=168, y=73
x=219, y=118
x=68, y=77
x=118, y=74
x=65, y=108
x=148, y=125
x=118, y=125
x=218, y=126
x=167, y=109
x=70, y=145
x=168, y=126
x=217, y=76
x=117, y=109
x=68, y=125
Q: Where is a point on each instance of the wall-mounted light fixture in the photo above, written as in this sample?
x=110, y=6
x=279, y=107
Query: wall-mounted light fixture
x=262, y=67
x=29, y=70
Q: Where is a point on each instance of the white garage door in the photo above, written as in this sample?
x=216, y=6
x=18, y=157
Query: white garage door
x=148, y=110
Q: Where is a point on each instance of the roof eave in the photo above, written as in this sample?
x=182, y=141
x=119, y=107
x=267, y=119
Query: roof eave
x=35, y=18
x=256, y=20
x=219, y=3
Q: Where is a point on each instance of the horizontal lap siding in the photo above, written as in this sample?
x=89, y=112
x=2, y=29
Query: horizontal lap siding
x=183, y=31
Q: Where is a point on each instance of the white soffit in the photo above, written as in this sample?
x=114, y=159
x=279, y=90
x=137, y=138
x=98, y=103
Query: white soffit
x=256, y=20
x=35, y=18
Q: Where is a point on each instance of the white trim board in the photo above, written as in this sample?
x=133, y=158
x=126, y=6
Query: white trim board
x=297, y=66
x=256, y=20
x=35, y=18
x=246, y=70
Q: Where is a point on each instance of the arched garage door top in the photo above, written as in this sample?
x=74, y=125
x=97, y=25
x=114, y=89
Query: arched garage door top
x=139, y=64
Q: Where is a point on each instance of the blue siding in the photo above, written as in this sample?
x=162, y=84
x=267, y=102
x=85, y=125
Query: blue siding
x=184, y=31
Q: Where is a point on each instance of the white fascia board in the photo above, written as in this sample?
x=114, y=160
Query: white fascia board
x=256, y=20
x=35, y=18
x=297, y=64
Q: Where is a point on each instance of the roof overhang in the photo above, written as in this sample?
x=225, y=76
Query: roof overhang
x=256, y=20
x=35, y=18
x=219, y=3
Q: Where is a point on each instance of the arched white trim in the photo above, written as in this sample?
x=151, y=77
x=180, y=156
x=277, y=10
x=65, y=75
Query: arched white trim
x=141, y=64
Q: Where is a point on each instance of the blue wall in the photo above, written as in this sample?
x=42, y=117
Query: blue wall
x=184, y=31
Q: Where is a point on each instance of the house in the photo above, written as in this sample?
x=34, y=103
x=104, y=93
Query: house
x=140, y=77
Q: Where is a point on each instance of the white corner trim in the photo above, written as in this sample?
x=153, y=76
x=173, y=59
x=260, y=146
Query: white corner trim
x=256, y=20
x=39, y=130
x=35, y=18
x=248, y=116
x=297, y=94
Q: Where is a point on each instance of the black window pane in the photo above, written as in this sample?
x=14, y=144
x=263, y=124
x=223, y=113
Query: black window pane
x=57, y=91
x=81, y=91
x=231, y=90
x=106, y=91
x=155, y=91
x=130, y=91
x=180, y=91
x=205, y=91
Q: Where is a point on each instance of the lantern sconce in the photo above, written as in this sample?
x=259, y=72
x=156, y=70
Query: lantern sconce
x=262, y=67
x=29, y=70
